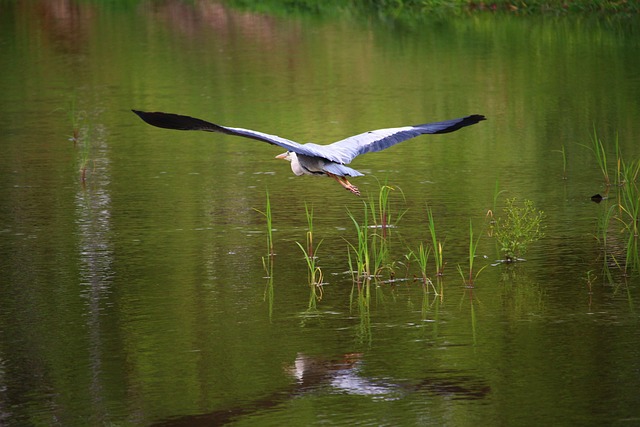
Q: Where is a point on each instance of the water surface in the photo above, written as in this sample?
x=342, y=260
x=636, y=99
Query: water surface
x=136, y=295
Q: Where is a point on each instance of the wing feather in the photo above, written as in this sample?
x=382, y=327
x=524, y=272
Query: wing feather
x=180, y=122
x=342, y=152
x=377, y=140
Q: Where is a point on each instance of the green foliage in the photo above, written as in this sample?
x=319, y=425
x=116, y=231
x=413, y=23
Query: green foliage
x=411, y=9
x=473, y=245
x=313, y=270
x=518, y=228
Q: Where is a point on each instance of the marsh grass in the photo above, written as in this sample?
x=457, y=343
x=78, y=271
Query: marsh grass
x=267, y=214
x=491, y=213
x=369, y=256
x=598, y=149
x=626, y=210
x=629, y=206
x=563, y=152
x=267, y=264
x=359, y=252
x=470, y=276
x=314, y=272
x=436, y=245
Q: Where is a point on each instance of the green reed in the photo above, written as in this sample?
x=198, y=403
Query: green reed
x=629, y=205
x=314, y=272
x=422, y=259
x=469, y=278
x=360, y=262
x=267, y=264
x=436, y=245
x=381, y=212
x=597, y=147
x=563, y=152
x=267, y=214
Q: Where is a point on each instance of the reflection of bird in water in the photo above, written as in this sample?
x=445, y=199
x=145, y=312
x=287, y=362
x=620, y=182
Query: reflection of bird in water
x=314, y=159
x=341, y=375
x=344, y=376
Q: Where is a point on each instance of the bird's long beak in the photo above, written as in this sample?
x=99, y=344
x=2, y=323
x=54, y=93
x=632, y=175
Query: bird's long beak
x=282, y=156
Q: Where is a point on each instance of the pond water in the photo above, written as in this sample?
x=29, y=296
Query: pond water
x=132, y=259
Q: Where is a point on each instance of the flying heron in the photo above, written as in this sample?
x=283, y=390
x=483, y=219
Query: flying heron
x=314, y=159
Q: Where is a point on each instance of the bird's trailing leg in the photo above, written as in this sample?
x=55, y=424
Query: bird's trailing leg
x=345, y=183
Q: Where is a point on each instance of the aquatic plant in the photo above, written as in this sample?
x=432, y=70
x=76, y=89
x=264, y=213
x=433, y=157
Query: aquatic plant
x=518, y=229
x=469, y=278
x=597, y=147
x=436, y=245
x=422, y=259
x=267, y=264
x=490, y=216
x=629, y=205
x=381, y=212
x=314, y=272
x=360, y=262
x=564, y=161
x=371, y=251
x=267, y=214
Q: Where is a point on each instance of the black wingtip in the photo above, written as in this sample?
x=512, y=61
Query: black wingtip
x=176, y=121
x=456, y=124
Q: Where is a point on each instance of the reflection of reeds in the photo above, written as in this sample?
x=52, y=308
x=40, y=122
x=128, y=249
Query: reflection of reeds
x=267, y=263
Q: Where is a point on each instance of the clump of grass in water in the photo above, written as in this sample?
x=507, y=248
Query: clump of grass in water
x=629, y=206
x=519, y=228
x=436, y=245
x=597, y=147
x=473, y=245
x=422, y=259
x=360, y=261
x=315, y=275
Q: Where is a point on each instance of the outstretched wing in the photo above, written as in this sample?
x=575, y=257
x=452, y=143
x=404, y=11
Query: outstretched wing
x=179, y=122
x=376, y=140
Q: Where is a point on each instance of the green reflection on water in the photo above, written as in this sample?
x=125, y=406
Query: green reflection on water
x=139, y=296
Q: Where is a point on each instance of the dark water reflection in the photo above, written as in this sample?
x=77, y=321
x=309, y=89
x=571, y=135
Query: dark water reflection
x=137, y=294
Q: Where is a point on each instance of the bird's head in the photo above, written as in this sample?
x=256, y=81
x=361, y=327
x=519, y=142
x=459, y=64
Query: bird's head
x=289, y=155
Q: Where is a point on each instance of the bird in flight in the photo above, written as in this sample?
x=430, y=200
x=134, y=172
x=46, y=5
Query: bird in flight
x=313, y=159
